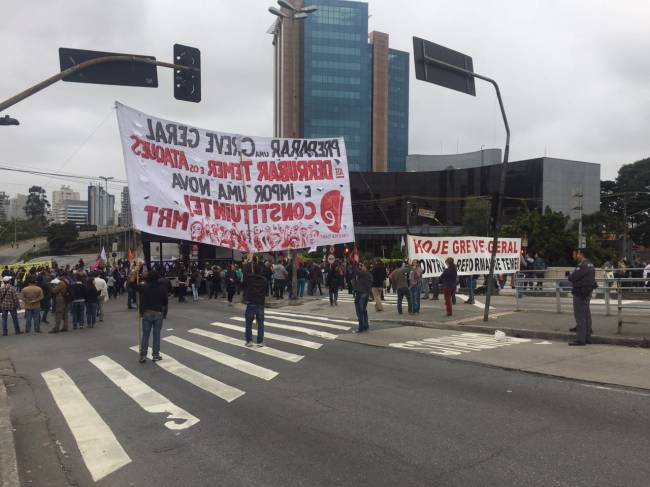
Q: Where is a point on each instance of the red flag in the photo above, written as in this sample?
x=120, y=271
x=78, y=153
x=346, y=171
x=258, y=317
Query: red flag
x=129, y=255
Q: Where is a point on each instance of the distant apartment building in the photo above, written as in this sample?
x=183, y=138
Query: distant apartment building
x=17, y=207
x=58, y=198
x=332, y=78
x=5, y=215
x=101, y=207
x=124, y=218
x=74, y=211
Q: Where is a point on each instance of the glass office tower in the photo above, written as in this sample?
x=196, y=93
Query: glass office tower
x=331, y=81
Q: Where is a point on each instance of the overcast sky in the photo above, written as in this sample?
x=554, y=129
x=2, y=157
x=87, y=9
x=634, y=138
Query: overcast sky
x=574, y=75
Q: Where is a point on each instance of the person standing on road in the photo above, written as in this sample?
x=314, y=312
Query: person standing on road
x=302, y=276
x=32, y=296
x=231, y=283
x=78, y=302
x=400, y=280
x=153, y=303
x=583, y=279
x=62, y=295
x=102, y=287
x=91, y=301
x=255, y=287
x=9, y=304
x=378, y=280
x=43, y=281
x=279, y=276
x=362, y=290
x=448, y=283
x=335, y=281
x=415, y=285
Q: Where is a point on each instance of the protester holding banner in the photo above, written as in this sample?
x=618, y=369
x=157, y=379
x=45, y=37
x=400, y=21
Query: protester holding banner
x=448, y=283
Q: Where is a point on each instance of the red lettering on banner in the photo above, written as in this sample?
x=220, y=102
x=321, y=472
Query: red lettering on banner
x=150, y=211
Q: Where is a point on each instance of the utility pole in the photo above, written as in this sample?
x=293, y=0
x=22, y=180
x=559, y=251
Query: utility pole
x=625, y=229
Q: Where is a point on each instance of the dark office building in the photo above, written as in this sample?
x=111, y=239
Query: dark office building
x=379, y=201
x=332, y=79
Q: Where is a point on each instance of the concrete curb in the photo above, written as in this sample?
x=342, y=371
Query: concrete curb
x=519, y=332
x=8, y=465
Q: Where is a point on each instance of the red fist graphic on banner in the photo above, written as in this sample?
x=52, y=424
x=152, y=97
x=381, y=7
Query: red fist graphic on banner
x=331, y=210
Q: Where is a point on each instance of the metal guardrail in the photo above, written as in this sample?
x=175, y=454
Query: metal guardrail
x=612, y=291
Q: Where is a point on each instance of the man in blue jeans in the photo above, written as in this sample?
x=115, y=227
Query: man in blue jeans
x=153, y=302
x=255, y=286
x=362, y=290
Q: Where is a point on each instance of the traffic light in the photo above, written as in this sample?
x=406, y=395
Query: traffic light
x=187, y=82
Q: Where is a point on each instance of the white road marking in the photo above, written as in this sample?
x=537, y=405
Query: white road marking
x=272, y=336
x=151, y=401
x=613, y=389
x=545, y=342
x=222, y=358
x=614, y=301
x=457, y=344
x=314, y=322
x=194, y=377
x=476, y=303
x=100, y=450
x=310, y=317
x=272, y=352
x=299, y=329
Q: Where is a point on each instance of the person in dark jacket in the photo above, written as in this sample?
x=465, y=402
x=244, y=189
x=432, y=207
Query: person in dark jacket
x=231, y=283
x=255, y=287
x=78, y=302
x=302, y=276
x=583, y=280
x=447, y=282
x=91, y=297
x=43, y=281
x=335, y=281
x=362, y=290
x=153, y=301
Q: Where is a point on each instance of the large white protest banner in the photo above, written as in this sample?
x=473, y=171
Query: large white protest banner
x=254, y=194
x=471, y=254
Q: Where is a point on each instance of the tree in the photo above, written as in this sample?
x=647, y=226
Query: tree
x=37, y=206
x=547, y=233
x=59, y=234
x=476, y=217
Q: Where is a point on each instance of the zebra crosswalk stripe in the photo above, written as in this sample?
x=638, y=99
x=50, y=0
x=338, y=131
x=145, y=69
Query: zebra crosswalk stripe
x=224, y=359
x=315, y=323
x=150, y=400
x=272, y=336
x=198, y=379
x=100, y=450
x=311, y=317
x=299, y=329
x=272, y=352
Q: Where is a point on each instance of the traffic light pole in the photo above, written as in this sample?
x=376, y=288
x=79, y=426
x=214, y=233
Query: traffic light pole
x=81, y=66
x=502, y=179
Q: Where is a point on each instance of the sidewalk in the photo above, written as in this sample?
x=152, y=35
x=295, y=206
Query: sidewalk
x=546, y=325
x=8, y=466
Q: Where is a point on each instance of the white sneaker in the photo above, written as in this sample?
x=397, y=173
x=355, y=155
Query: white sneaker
x=249, y=344
x=260, y=345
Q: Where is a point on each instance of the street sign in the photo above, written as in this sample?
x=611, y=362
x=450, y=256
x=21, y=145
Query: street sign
x=423, y=51
x=426, y=213
x=114, y=247
x=123, y=73
x=583, y=242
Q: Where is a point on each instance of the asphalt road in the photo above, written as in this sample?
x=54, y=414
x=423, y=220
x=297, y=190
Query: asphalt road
x=9, y=254
x=344, y=415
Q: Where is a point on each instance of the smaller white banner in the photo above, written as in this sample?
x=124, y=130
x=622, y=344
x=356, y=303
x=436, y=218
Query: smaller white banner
x=471, y=254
